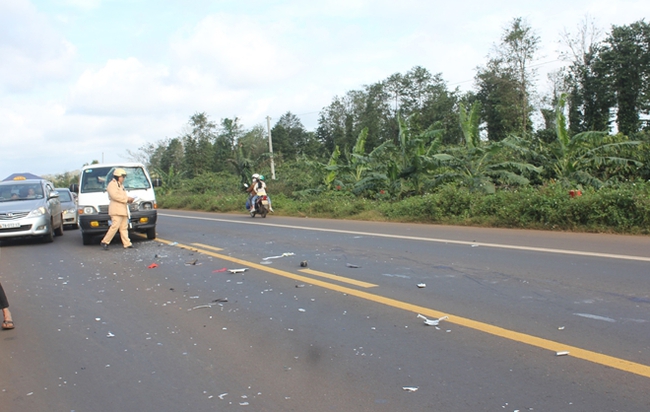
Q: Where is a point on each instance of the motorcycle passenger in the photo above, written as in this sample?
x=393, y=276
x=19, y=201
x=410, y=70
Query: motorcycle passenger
x=257, y=188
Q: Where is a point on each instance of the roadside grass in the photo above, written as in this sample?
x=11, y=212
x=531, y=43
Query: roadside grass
x=623, y=209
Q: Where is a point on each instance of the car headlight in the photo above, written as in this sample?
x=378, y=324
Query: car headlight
x=71, y=211
x=87, y=210
x=146, y=206
x=38, y=212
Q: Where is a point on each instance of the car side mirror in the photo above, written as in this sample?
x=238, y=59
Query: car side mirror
x=74, y=187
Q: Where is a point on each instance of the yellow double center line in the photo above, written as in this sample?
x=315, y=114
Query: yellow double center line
x=594, y=357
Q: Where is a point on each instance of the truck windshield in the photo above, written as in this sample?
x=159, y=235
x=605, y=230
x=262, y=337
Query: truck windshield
x=96, y=179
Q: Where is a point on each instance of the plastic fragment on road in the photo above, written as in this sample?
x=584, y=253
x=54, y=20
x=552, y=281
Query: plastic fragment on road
x=301, y=310
x=560, y=328
x=350, y=265
x=422, y=285
x=220, y=300
x=410, y=388
x=562, y=353
x=192, y=262
x=152, y=266
x=303, y=264
x=222, y=395
x=279, y=256
x=219, y=270
x=432, y=322
x=110, y=335
x=242, y=270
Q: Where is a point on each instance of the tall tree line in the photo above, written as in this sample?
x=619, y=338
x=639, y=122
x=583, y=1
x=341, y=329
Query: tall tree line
x=606, y=84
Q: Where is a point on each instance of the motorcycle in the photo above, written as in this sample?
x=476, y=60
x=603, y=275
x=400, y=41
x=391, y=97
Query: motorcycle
x=261, y=205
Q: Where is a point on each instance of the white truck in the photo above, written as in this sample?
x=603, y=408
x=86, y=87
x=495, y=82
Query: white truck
x=93, y=199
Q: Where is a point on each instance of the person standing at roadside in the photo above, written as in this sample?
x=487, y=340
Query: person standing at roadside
x=118, y=210
x=7, y=321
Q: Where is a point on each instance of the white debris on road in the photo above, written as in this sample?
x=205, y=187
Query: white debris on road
x=432, y=322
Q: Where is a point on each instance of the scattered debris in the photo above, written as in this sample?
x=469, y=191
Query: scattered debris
x=173, y=244
x=475, y=245
x=422, y=285
x=410, y=388
x=562, y=353
x=303, y=264
x=432, y=322
x=222, y=395
x=301, y=310
x=152, y=266
x=280, y=256
x=220, y=300
x=192, y=262
x=160, y=256
x=219, y=270
x=300, y=286
x=237, y=270
x=110, y=335
x=560, y=328
x=201, y=307
x=350, y=265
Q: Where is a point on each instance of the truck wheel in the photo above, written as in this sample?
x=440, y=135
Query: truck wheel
x=87, y=239
x=151, y=233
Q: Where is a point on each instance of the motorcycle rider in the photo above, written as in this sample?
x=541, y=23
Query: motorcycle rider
x=256, y=189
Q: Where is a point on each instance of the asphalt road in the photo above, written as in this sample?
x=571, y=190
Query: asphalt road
x=106, y=331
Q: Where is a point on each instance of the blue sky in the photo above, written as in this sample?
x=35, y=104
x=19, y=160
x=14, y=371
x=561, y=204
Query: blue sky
x=84, y=80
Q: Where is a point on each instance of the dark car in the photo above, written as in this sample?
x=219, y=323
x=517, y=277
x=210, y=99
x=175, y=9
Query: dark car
x=30, y=208
x=69, y=208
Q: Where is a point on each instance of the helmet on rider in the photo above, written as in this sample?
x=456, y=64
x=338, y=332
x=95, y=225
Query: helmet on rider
x=256, y=176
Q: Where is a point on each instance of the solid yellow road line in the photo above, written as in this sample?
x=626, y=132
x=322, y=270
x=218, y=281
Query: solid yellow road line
x=207, y=246
x=594, y=357
x=339, y=278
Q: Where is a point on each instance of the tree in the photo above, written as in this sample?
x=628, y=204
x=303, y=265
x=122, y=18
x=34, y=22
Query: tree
x=506, y=83
x=589, y=96
x=519, y=45
x=626, y=57
x=289, y=136
x=499, y=95
x=198, y=145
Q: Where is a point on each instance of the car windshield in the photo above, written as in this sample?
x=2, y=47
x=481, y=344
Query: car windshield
x=20, y=191
x=64, y=196
x=96, y=179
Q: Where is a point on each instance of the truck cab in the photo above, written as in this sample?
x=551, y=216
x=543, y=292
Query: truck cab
x=93, y=199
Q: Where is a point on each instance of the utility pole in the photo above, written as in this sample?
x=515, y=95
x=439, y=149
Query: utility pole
x=268, y=127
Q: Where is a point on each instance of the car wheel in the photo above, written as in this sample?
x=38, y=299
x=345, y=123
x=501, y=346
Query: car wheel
x=151, y=233
x=49, y=236
x=59, y=230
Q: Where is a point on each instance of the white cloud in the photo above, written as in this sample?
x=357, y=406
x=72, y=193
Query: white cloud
x=237, y=52
x=33, y=53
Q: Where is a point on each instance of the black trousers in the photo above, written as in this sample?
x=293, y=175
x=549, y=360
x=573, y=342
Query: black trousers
x=3, y=298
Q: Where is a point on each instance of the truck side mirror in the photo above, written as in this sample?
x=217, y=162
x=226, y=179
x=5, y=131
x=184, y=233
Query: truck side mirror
x=74, y=188
x=156, y=182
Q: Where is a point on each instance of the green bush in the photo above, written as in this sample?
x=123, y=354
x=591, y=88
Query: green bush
x=624, y=208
